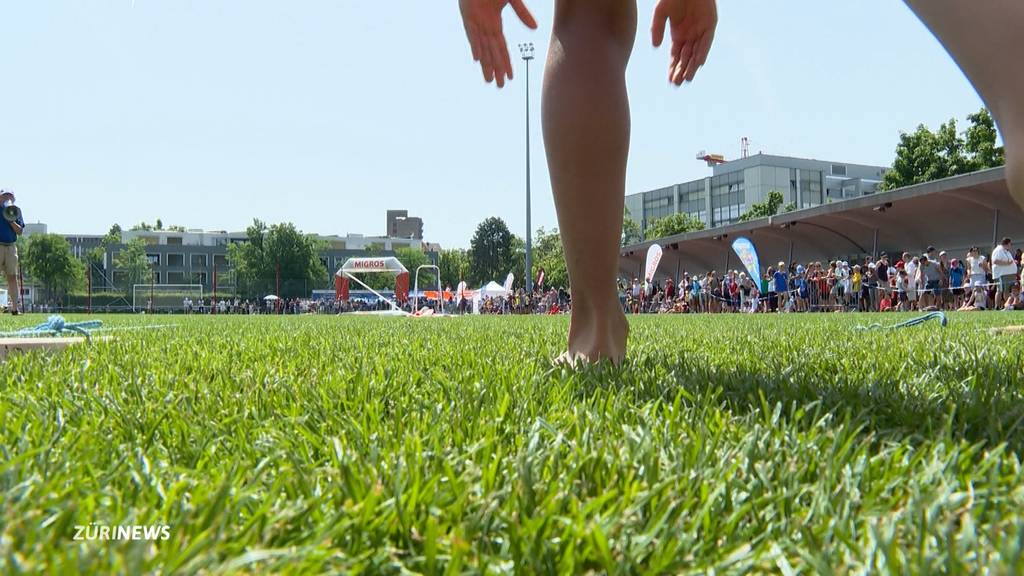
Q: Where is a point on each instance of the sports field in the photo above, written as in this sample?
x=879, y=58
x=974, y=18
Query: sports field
x=791, y=444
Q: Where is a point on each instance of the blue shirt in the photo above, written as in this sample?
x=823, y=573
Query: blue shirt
x=956, y=277
x=780, y=282
x=801, y=283
x=7, y=235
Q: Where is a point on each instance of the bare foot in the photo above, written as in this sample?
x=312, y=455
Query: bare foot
x=596, y=336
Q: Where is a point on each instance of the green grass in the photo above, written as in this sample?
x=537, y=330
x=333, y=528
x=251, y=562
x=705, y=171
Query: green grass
x=789, y=444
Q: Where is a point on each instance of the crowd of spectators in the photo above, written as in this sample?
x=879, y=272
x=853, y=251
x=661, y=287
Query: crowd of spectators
x=253, y=307
x=539, y=301
x=931, y=280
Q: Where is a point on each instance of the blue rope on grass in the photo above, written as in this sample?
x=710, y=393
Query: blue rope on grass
x=941, y=316
x=56, y=325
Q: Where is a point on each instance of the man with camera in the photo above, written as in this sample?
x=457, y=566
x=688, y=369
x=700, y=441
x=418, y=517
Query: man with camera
x=10, y=229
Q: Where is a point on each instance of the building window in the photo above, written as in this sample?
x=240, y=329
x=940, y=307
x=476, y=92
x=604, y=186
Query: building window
x=198, y=261
x=220, y=260
x=175, y=259
x=199, y=278
x=658, y=204
x=174, y=240
x=175, y=277
x=156, y=277
x=838, y=170
x=728, y=198
x=810, y=188
x=154, y=259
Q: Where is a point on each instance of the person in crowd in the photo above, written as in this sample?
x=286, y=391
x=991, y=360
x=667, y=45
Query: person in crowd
x=956, y=275
x=800, y=288
x=902, y=287
x=978, y=267
x=945, y=293
x=714, y=292
x=910, y=265
x=978, y=300
x=868, y=286
x=885, y=304
x=781, y=284
x=882, y=271
x=1013, y=301
x=1004, y=270
x=856, y=280
x=702, y=284
x=928, y=275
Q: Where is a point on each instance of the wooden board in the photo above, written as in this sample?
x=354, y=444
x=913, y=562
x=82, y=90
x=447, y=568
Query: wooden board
x=14, y=345
x=1007, y=330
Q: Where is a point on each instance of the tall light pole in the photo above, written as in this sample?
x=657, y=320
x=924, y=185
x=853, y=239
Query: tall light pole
x=526, y=50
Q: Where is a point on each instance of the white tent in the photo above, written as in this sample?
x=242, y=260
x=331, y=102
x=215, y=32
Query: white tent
x=382, y=265
x=493, y=290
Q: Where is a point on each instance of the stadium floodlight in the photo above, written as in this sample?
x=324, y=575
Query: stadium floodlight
x=526, y=50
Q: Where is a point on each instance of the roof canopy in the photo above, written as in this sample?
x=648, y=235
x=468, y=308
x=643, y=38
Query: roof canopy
x=385, y=264
x=951, y=214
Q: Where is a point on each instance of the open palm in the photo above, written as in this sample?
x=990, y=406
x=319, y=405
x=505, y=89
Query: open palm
x=692, y=24
x=482, y=19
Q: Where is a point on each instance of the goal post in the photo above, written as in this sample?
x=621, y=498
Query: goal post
x=164, y=297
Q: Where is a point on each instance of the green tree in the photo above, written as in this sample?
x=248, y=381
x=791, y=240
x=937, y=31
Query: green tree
x=48, y=259
x=159, y=224
x=94, y=265
x=980, y=141
x=113, y=237
x=133, y=265
x=770, y=207
x=454, y=265
x=923, y=155
x=672, y=225
x=278, y=251
x=490, y=252
x=518, y=266
x=412, y=259
x=631, y=233
x=549, y=254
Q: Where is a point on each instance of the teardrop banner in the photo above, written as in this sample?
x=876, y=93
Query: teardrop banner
x=745, y=249
x=653, y=259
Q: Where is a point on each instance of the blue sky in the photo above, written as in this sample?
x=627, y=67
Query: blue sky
x=209, y=113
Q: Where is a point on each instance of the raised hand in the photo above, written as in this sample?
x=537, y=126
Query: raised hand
x=482, y=19
x=692, y=24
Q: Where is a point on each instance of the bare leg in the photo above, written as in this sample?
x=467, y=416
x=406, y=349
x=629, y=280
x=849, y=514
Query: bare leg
x=13, y=293
x=586, y=132
x=986, y=39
